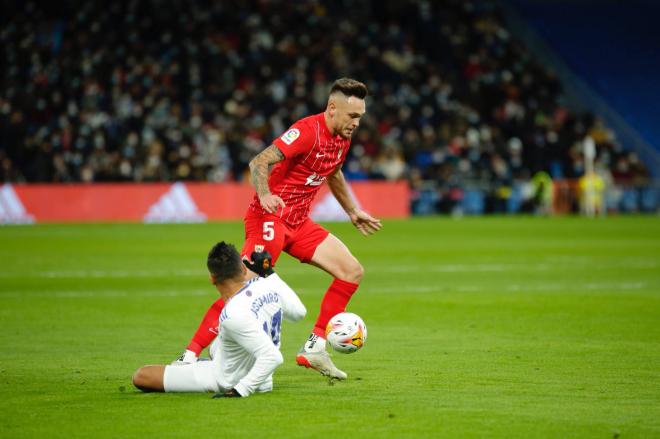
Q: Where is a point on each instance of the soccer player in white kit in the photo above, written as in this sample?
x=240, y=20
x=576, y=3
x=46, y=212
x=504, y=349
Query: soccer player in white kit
x=247, y=350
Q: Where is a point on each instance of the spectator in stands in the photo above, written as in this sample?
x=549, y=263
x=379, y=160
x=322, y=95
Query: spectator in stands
x=128, y=92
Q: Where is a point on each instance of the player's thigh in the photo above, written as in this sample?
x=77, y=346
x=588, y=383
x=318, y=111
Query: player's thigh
x=263, y=233
x=304, y=241
x=333, y=256
x=194, y=377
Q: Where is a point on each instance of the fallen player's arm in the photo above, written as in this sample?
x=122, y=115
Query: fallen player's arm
x=292, y=307
x=246, y=332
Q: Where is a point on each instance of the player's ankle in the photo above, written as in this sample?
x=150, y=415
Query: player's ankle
x=314, y=344
x=187, y=357
x=195, y=347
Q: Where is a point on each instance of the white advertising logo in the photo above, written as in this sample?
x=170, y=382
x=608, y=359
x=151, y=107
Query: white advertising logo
x=175, y=206
x=329, y=209
x=12, y=210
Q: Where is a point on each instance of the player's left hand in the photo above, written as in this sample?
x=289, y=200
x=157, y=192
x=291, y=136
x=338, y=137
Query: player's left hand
x=365, y=223
x=232, y=393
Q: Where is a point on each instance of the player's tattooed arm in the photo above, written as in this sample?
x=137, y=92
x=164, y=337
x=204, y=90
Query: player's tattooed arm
x=260, y=165
x=259, y=169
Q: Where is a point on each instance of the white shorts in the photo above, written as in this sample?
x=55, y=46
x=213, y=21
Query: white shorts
x=199, y=377
x=194, y=377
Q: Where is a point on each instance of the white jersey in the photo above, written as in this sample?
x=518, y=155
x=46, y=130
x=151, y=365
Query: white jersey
x=247, y=349
x=250, y=332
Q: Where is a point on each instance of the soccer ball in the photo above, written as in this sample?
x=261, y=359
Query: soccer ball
x=346, y=332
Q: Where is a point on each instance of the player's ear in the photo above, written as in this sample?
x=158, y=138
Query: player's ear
x=332, y=107
x=212, y=279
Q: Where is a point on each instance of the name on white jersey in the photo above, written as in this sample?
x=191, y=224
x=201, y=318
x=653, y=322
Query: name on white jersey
x=260, y=301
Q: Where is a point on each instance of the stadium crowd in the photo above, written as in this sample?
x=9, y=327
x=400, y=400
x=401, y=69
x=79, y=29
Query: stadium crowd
x=177, y=90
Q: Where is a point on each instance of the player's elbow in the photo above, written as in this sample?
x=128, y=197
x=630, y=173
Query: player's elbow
x=279, y=359
x=269, y=358
x=255, y=162
x=276, y=359
x=298, y=313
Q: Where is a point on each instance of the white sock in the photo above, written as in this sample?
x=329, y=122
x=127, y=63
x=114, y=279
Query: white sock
x=188, y=357
x=314, y=344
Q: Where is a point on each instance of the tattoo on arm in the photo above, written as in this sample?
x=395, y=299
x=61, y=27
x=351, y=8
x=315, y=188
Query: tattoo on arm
x=260, y=166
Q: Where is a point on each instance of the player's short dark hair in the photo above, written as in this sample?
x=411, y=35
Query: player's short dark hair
x=224, y=262
x=350, y=87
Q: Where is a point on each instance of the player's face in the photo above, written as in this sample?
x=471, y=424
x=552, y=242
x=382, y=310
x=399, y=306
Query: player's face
x=346, y=115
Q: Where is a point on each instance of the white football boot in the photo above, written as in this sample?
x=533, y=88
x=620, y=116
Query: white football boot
x=314, y=356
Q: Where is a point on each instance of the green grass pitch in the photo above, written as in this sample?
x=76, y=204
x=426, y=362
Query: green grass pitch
x=481, y=327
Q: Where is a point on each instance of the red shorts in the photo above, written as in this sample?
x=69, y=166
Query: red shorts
x=270, y=233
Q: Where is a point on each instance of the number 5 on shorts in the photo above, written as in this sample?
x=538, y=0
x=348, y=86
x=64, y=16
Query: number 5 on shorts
x=269, y=231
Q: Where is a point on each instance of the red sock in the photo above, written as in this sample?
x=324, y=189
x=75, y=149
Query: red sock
x=334, y=302
x=208, y=329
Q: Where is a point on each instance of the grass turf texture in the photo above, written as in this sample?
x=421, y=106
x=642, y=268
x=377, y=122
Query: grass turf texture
x=490, y=327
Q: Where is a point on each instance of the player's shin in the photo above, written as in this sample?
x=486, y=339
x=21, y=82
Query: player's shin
x=335, y=300
x=208, y=328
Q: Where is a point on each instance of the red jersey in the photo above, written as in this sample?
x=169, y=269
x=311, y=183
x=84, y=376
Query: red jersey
x=311, y=154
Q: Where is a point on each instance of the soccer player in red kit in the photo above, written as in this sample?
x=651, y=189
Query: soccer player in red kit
x=311, y=152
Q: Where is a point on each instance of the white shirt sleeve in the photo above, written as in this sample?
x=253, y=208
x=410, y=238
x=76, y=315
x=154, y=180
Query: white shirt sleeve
x=246, y=332
x=292, y=307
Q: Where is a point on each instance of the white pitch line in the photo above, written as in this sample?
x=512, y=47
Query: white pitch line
x=471, y=268
x=104, y=294
x=513, y=288
x=99, y=274
x=462, y=268
x=571, y=264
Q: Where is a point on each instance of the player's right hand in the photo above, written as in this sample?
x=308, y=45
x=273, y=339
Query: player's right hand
x=260, y=263
x=271, y=203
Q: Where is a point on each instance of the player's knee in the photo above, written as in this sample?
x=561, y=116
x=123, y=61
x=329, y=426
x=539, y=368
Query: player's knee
x=140, y=379
x=144, y=379
x=354, y=272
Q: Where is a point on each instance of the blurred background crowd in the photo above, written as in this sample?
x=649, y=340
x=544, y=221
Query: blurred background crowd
x=176, y=90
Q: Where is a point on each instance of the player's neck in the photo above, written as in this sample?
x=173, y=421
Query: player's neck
x=230, y=288
x=328, y=125
x=250, y=275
